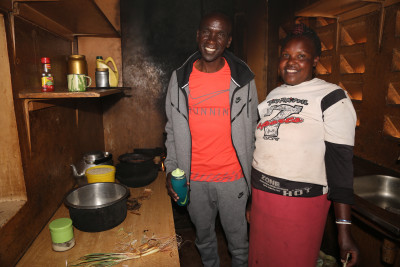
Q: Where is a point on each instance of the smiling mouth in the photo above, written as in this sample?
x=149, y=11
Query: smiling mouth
x=291, y=71
x=210, y=50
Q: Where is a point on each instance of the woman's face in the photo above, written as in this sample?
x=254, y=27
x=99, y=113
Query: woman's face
x=297, y=61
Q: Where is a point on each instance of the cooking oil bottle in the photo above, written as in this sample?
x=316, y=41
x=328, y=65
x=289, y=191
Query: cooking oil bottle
x=112, y=74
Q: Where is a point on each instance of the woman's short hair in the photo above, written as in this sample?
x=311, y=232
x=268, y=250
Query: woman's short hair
x=301, y=30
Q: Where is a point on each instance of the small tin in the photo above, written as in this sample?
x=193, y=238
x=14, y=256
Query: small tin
x=102, y=78
x=179, y=184
x=62, y=234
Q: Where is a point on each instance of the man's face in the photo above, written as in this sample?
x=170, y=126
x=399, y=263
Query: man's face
x=213, y=37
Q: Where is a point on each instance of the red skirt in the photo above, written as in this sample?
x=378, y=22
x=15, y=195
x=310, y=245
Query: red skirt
x=286, y=231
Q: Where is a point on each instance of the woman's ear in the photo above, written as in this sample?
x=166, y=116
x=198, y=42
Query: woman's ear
x=316, y=59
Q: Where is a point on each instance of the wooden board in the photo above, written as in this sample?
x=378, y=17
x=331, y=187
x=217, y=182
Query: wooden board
x=12, y=187
x=155, y=218
x=65, y=94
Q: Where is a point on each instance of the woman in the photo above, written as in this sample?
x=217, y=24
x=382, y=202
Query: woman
x=302, y=162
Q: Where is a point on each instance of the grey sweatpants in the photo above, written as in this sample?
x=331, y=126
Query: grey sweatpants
x=229, y=199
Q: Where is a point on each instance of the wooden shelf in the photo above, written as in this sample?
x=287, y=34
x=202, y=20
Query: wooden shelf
x=391, y=126
x=353, y=33
x=34, y=100
x=91, y=92
x=353, y=88
x=67, y=18
x=334, y=8
x=393, y=93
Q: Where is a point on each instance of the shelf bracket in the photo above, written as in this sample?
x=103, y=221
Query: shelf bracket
x=15, y=8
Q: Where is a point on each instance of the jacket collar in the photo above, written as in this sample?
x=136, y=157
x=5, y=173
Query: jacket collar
x=240, y=72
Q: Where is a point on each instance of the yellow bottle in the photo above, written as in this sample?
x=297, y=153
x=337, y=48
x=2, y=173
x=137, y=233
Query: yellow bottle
x=113, y=74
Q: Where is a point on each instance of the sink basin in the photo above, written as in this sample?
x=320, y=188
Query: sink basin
x=380, y=190
x=380, y=200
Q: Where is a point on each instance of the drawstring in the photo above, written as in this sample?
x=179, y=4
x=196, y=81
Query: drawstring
x=248, y=96
x=179, y=106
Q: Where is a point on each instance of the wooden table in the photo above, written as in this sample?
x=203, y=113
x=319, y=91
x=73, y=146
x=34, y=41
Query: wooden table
x=155, y=217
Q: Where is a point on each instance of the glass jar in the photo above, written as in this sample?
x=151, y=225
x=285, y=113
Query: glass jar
x=62, y=234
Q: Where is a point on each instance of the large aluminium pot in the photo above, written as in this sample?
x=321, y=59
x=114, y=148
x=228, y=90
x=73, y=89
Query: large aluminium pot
x=97, y=207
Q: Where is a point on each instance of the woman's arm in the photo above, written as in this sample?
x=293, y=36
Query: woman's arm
x=345, y=238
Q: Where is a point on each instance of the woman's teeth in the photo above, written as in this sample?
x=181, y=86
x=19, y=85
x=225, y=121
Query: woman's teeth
x=291, y=71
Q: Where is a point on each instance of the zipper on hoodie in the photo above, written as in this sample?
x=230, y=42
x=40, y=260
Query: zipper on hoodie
x=187, y=120
x=233, y=144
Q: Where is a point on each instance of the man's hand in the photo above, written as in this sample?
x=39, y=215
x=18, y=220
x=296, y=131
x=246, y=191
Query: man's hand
x=171, y=191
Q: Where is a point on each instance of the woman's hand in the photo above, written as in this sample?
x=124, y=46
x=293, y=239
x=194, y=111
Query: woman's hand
x=347, y=245
x=348, y=249
x=248, y=210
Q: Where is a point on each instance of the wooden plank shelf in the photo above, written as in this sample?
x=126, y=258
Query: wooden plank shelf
x=67, y=18
x=91, y=92
x=34, y=100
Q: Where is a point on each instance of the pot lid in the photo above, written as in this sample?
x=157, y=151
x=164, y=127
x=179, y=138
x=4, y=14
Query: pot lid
x=134, y=158
x=92, y=156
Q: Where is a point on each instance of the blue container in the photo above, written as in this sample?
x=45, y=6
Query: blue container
x=179, y=185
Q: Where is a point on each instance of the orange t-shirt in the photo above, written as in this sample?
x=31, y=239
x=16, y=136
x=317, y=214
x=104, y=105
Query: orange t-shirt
x=213, y=156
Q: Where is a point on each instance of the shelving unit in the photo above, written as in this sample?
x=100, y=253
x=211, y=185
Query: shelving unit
x=324, y=66
x=67, y=18
x=354, y=88
x=40, y=100
x=396, y=59
x=393, y=94
x=391, y=125
x=353, y=33
x=91, y=92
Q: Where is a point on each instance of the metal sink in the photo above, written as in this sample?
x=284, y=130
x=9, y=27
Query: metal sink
x=382, y=196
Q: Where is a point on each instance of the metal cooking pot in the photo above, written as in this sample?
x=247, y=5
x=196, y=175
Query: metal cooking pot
x=97, y=207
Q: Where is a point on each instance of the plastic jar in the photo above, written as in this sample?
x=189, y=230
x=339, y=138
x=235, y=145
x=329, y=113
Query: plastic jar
x=62, y=234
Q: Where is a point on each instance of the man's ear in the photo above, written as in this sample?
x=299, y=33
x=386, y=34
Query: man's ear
x=229, y=42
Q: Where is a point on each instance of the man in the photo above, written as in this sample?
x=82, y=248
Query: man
x=211, y=108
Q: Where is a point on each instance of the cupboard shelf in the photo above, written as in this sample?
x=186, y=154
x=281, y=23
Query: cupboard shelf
x=39, y=100
x=91, y=92
x=67, y=18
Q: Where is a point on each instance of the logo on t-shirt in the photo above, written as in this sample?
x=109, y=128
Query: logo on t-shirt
x=209, y=104
x=284, y=116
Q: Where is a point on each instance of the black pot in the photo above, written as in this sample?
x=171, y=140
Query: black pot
x=97, y=207
x=136, y=158
x=136, y=175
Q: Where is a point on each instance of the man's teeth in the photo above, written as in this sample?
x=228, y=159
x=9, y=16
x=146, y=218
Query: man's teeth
x=209, y=49
x=291, y=71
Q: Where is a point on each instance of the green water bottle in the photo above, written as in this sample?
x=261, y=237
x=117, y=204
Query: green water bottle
x=179, y=185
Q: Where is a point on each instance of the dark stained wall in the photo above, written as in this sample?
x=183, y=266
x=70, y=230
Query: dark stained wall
x=157, y=37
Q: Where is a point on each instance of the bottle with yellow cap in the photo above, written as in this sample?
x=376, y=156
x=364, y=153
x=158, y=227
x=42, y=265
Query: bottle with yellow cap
x=112, y=73
x=178, y=180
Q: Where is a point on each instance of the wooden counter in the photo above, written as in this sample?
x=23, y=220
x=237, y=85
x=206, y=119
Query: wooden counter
x=155, y=217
